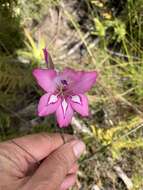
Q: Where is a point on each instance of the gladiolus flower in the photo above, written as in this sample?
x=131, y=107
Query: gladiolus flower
x=65, y=93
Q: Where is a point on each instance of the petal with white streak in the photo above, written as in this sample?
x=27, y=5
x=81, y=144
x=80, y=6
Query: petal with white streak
x=76, y=99
x=53, y=99
x=64, y=114
x=80, y=106
x=64, y=106
x=47, y=105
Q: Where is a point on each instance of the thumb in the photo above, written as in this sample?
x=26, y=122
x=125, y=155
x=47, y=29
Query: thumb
x=54, y=169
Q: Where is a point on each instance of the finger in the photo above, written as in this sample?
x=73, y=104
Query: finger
x=41, y=145
x=73, y=169
x=68, y=182
x=54, y=169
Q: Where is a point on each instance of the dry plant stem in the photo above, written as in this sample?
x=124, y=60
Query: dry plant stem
x=115, y=97
x=71, y=19
x=62, y=136
x=57, y=28
x=126, y=102
x=121, y=55
x=77, y=185
x=15, y=114
x=72, y=51
x=80, y=127
x=124, y=177
x=95, y=187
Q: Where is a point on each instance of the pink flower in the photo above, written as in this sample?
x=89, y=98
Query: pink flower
x=64, y=93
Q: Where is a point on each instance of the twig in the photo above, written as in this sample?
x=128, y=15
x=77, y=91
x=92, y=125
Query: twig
x=30, y=109
x=72, y=50
x=124, y=177
x=122, y=55
x=126, y=102
x=133, y=130
x=15, y=114
x=95, y=187
x=90, y=158
x=80, y=128
x=57, y=28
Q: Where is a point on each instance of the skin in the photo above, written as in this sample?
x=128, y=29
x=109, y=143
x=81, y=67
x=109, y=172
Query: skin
x=43, y=162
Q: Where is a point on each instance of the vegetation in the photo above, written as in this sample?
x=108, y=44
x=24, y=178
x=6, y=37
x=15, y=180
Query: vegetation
x=101, y=35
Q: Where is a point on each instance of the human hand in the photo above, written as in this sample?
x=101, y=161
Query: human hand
x=57, y=162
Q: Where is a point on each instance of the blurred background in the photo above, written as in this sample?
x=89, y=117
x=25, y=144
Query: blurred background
x=101, y=35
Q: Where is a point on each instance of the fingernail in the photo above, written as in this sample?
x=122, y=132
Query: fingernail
x=78, y=148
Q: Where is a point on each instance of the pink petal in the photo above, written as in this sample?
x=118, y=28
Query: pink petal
x=48, y=104
x=81, y=81
x=64, y=114
x=45, y=78
x=80, y=104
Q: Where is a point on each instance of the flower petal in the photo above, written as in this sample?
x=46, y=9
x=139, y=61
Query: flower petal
x=45, y=78
x=52, y=99
x=48, y=104
x=81, y=81
x=64, y=107
x=64, y=113
x=76, y=99
x=80, y=104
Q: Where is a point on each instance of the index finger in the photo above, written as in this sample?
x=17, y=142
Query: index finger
x=39, y=146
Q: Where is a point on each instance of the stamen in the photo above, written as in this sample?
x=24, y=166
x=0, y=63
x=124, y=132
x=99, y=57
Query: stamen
x=64, y=82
